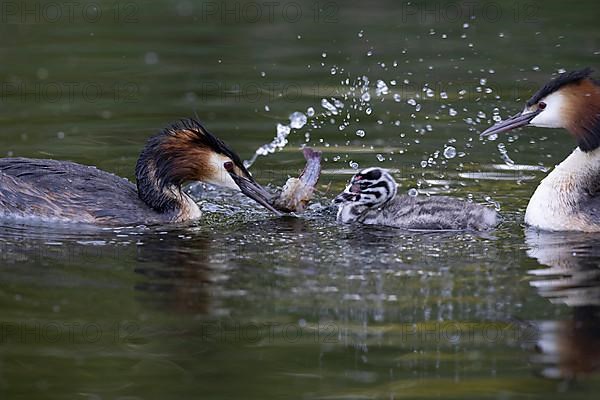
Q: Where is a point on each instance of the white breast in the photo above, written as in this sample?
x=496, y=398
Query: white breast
x=555, y=204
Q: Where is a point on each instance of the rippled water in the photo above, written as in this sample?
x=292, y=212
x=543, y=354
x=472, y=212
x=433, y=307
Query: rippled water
x=247, y=305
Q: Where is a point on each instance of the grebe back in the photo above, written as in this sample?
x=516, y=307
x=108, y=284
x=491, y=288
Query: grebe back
x=50, y=190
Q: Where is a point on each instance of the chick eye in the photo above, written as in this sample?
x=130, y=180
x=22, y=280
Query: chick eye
x=228, y=165
x=541, y=105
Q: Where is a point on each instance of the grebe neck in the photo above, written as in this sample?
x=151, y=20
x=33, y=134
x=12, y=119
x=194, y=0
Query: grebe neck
x=160, y=188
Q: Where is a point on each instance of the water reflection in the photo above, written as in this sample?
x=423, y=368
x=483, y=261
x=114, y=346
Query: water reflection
x=568, y=348
x=175, y=278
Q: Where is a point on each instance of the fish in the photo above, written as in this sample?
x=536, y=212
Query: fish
x=297, y=192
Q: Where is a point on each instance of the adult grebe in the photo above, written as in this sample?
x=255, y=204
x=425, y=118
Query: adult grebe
x=568, y=198
x=371, y=198
x=49, y=190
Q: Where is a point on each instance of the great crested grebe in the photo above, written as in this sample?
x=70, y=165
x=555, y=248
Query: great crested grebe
x=49, y=190
x=371, y=198
x=568, y=199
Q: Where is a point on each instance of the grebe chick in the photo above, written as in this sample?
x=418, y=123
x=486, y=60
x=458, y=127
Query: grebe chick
x=568, y=199
x=49, y=190
x=371, y=198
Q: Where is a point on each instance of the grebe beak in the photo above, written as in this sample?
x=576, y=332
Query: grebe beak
x=252, y=189
x=516, y=121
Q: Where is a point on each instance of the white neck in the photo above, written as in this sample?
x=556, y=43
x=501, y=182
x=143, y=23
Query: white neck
x=554, y=205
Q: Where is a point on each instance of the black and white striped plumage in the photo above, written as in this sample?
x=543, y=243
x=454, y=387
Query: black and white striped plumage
x=371, y=199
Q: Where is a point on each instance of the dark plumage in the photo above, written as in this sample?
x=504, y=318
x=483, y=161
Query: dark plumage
x=50, y=190
x=558, y=82
x=68, y=192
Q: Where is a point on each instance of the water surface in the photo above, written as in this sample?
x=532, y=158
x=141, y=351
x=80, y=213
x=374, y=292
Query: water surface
x=246, y=305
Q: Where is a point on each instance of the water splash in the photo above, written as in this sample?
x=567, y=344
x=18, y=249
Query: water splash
x=504, y=154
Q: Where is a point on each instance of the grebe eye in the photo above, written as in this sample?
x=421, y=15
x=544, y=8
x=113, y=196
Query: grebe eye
x=228, y=165
x=541, y=105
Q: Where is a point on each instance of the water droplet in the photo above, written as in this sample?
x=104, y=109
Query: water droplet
x=353, y=164
x=449, y=152
x=504, y=154
x=380, y=157
x=328, y=106
x=397, y=98
x=283, y=130
x=452, y=112
x=423, y=164
x=381, y=88
x=297, y=120
x=412, y=192
x=324, y=55
x=310, y=111
x=412, y=102
x=360, y=133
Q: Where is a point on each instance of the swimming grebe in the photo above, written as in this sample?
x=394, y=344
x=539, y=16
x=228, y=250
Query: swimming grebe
x=49, y=190
x=371, y=198
x=568, y=199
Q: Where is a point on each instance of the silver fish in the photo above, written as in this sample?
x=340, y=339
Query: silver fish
x=297, y=192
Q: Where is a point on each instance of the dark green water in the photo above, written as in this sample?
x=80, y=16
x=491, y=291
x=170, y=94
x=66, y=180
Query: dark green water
x=246, y=305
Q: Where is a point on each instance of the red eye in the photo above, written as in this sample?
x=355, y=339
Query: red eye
x=228, y=165
x=541, y=105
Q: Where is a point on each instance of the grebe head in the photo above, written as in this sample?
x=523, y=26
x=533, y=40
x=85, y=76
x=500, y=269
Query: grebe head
x=570, y=101
x=186, y=152
x=371, y=187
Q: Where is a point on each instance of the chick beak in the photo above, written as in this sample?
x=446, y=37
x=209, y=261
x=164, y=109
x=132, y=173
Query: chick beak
x=516, y=121
x=252, y=189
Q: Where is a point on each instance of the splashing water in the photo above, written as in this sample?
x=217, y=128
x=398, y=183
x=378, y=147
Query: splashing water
x=354, y=99
x=504, y=154
x=329, y=107
x=450, y=152
x=297, y=121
